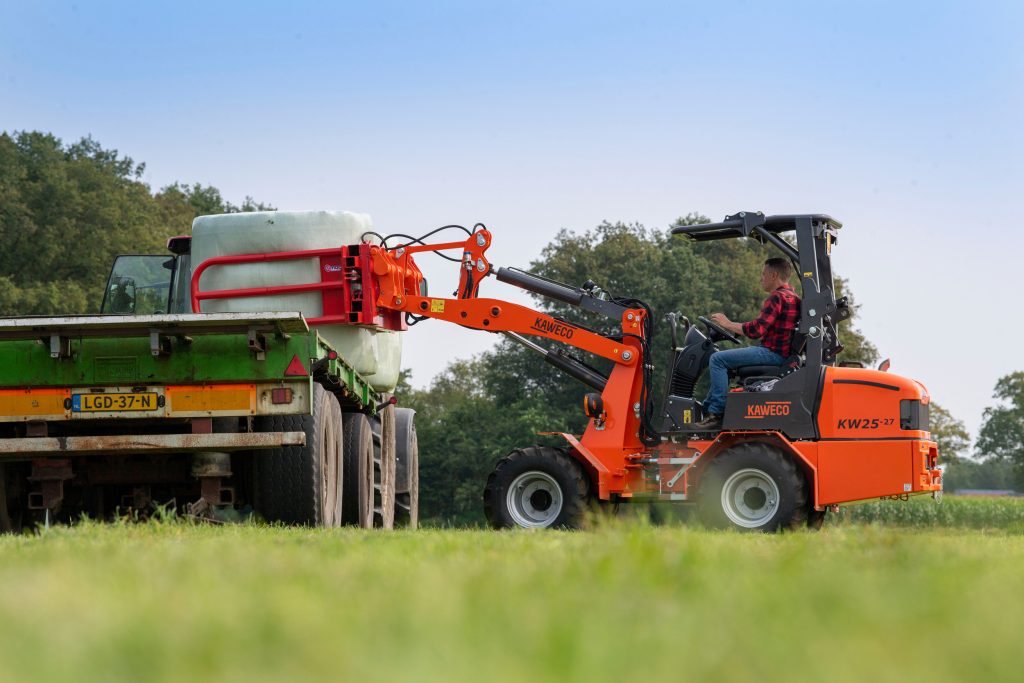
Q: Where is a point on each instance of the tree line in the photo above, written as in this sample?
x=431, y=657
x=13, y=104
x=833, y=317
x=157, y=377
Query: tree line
x=67, y=209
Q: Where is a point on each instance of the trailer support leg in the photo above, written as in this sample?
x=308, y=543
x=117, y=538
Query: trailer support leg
x=51, y=473
x=212, y=468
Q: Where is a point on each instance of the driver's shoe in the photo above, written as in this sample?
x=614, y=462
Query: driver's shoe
x=711, y=422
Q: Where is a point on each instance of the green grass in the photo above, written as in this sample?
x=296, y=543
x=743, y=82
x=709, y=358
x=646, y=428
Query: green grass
x=244, y=603
x=953, y=511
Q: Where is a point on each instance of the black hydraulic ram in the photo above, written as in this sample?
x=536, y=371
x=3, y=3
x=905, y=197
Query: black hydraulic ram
x=570, y=366
x=560, y=291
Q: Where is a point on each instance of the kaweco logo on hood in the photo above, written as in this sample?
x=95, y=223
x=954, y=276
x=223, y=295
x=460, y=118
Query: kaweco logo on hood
x=768, y=409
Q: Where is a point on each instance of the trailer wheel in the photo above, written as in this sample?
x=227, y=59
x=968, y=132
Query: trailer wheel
x=536, y=487
x=407, y=469
x=383, y=426
x=357, y=496
x=752, y=487
x=301, y=485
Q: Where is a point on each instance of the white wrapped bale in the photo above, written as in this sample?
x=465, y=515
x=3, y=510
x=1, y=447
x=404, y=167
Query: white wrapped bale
x=389, y=360
x=274, y=231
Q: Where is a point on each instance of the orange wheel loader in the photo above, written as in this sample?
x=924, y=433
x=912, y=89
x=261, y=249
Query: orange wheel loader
x=795, y=439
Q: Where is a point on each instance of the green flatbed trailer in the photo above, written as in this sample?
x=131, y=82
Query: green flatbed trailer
x=215, y=415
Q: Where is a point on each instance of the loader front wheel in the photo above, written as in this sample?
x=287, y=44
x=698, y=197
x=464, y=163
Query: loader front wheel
x=535, y=488
x=752, y=487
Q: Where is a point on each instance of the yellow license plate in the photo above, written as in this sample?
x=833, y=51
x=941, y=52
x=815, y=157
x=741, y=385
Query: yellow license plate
x=113, y=403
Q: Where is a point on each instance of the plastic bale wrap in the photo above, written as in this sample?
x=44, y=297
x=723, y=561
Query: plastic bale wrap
x=375, y=354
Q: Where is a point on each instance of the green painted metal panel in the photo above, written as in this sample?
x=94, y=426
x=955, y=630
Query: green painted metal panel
x=212, y=358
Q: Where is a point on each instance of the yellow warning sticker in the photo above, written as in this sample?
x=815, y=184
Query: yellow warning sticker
x=437, y=305
x=687, y=416
x=808, y=273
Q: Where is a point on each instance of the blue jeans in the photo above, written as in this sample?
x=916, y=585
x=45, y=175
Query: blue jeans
x=723, y=361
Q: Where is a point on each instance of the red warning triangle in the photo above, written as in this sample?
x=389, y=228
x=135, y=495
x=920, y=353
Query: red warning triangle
x=296, y=368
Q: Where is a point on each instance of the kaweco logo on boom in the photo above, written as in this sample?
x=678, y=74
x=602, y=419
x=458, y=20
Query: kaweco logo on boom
x=551, y=327
x=768, y=409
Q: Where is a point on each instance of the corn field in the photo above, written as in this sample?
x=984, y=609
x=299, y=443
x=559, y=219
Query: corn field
x=1003, y=512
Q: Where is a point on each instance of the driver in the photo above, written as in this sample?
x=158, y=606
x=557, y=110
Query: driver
x=780, y=315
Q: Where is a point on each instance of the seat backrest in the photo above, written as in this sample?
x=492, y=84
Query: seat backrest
x=797, y=343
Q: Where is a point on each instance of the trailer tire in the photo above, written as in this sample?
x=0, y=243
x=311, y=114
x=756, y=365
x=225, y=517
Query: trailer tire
x=536, y=487
x=407, y=469
x=357, y=498
x=752, y=487
x=301, y=485
x=383, y=427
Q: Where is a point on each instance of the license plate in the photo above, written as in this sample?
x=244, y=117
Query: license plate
x=113, y=403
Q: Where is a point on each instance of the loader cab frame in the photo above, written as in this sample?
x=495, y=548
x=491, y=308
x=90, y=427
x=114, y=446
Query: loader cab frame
x=790, y=406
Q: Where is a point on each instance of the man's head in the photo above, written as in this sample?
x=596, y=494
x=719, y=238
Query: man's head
x=777, y=272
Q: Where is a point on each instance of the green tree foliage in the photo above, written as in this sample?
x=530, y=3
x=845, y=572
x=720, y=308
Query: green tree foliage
x=479, y=409
x=67, y=210
x=1002, y=431
x=949, y=432
x=961, y=471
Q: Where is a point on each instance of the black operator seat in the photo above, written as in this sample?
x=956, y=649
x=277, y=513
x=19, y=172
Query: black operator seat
x=796, y=359
x=745, y=371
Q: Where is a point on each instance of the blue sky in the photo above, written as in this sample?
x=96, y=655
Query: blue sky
x=901, y=119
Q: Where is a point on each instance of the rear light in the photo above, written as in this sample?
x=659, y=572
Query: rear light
x=281, y=396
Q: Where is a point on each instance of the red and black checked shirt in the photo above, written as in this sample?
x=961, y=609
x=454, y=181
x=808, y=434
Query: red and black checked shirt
x=780, y=315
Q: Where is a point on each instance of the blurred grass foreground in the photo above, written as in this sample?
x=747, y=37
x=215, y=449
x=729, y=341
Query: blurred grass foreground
x=172, y=601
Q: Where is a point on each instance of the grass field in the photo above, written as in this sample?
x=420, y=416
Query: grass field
x=627, y=601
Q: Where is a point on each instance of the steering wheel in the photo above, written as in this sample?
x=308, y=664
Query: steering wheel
x=720, y=331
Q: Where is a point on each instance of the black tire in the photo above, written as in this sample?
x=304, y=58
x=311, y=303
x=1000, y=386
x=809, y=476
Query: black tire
x=536, y=487
x=752, y=487
x=301, y=485
x=407, y=470
x=815, y=519
x=383, y=427
x=357, y=453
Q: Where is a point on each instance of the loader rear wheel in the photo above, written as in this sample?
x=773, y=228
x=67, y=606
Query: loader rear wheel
x=301, y=485
x=752, y=487
x=357, y=498
x=536, y=487
x=815, y=519
x=383, y=426
x=407, y=470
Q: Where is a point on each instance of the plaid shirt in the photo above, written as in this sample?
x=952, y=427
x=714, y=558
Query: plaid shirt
x=780, y=315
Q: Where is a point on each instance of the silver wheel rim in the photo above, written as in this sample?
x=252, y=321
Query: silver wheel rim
x=750, y=498
x=534, y=500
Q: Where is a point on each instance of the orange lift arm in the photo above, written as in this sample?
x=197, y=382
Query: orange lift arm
x=401, y=288
x=617, y=426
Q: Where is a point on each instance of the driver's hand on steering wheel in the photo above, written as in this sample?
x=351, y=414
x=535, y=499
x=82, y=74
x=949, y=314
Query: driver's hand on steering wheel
x=723, y=320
